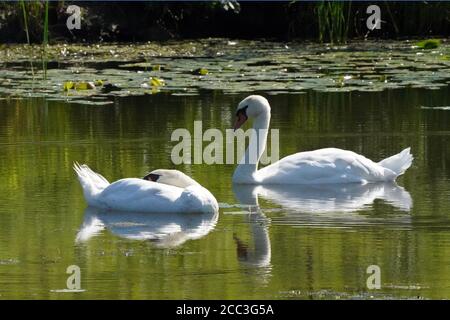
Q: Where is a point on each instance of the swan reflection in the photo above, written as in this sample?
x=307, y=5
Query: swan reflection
x=328, y=203
x=257, y=253
x=164, y=229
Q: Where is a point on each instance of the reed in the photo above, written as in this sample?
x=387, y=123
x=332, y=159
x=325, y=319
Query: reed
x=25, y=20
x=333, y=23
x=45, y=41
x=25, y=23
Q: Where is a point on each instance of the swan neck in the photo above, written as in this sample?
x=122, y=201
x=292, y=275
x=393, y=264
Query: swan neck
x=248, y=166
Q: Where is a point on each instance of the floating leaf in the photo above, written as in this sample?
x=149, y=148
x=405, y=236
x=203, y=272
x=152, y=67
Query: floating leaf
x=429, y=44
x=201, y=71
x=383, y=78
x=109, y=87
x=98, y=83
x=84, y=86
x=68, y=85
x=155, y=82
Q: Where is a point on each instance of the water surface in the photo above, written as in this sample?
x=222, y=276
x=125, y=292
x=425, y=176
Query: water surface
x=296, y=243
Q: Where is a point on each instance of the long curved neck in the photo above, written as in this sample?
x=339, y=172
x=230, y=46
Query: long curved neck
x=248, y=165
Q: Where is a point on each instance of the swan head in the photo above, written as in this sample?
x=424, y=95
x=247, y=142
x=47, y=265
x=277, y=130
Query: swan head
x=171, y=177
x=251, y=107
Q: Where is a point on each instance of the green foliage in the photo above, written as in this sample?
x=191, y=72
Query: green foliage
x=429, y=44
x=333, y=21
x=45, y=41
x=25, y=22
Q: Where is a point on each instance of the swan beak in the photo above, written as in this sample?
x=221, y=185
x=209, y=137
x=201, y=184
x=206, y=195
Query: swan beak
x=240, y=120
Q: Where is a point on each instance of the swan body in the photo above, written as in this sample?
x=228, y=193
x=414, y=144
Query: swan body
x=140, y=195
x=323, y=166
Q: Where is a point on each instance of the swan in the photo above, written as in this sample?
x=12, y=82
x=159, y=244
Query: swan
x=162, y=191
x=323, y=166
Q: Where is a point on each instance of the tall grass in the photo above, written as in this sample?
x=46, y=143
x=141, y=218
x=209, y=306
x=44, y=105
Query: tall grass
x=25, y=20
x=333, y=19
x=25, y=23
x=45, y=41
x=34, y=7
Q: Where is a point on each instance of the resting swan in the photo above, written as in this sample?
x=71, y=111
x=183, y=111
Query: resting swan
x=328, y=165
x=162, y=191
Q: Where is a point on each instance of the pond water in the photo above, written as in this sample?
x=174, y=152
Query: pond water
x=299, y=243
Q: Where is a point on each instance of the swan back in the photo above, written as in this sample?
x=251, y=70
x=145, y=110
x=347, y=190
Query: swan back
x=171, y=177
x=194, y=197
x=197, y=199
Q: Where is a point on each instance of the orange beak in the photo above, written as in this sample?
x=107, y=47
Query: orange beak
x=240, y=120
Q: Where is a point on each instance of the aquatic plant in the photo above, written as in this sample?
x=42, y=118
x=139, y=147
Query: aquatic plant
x=25, y=20
x=333, y=20
x=429, y=44
x=25, y=23
x=162, y=21
x=45, y=41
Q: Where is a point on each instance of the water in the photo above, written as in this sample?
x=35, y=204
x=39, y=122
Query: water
x=298, y=244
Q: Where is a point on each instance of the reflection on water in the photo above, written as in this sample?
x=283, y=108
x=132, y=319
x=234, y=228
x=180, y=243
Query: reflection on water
x=321, y=205
x=166, y=230
x=271, y=242
x=325, y=197
x=332, y=205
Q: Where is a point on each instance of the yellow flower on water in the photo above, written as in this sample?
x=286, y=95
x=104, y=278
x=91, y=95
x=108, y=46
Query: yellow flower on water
x=68, y=85
x=155, y=82
x=84, y=86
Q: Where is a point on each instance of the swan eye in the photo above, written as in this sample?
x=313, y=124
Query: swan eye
x=152, y=177
x=242, y=111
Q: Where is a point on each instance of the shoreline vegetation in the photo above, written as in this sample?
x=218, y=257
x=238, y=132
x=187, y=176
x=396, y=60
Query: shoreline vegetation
x=186, y=47
x=320, y=21
x=98, y=73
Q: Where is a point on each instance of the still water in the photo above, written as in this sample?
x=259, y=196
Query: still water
x=265, y=243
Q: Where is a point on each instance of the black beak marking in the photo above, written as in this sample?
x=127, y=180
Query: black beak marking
x=242, y=111
x=152, y=177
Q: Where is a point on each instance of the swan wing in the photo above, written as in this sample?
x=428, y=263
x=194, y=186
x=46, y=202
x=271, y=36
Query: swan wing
x=328, y=165
x=140, y=195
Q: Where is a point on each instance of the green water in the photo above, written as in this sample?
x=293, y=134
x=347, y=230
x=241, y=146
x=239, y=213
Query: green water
x=300, y=243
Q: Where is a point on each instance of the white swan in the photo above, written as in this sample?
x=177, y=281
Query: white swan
x=328, y=165
x=167, y=191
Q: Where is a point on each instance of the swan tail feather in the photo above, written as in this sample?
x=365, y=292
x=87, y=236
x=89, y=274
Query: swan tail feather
x=91, y=182
x=398, y=163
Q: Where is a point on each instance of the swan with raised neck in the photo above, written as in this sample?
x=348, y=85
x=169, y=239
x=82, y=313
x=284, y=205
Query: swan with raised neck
x=329, y=165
